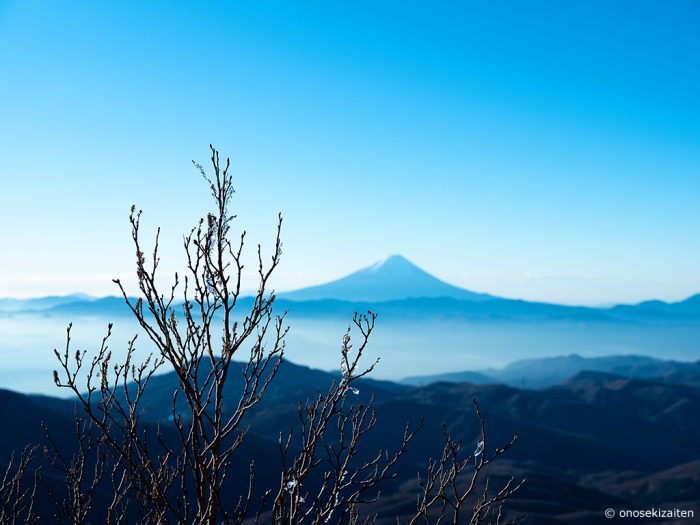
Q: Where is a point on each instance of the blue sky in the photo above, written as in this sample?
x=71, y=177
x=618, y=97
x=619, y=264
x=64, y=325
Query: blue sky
x=543, y=150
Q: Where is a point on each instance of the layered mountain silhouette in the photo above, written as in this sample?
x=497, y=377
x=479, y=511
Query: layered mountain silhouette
x=390, y=279
x=617, y=431
x=427, y=326
x=598, y=440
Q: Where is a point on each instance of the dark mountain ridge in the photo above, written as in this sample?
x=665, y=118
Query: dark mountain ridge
x=596, y=430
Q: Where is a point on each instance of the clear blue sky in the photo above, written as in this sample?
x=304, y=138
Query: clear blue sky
x=544, y=150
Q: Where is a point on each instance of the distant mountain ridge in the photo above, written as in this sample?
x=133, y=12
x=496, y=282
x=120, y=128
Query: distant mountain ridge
x=38, y=304
x=550, y=371
x=402, y=289
x=485, y=308
x=390, y=279
x=427, y=313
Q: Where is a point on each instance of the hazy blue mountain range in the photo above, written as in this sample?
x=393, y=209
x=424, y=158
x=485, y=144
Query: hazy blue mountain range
x=494, y=309
x=396, y=288
x=688, y=308
x=446, y=329
x=38, y=304
x=546, y=372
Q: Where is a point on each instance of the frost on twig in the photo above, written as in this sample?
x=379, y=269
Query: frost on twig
x=478, y=451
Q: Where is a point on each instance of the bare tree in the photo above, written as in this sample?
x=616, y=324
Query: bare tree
x=17, y=496
x=331, y=431
x=456, y=479
x=198, y=342
x=82, y=472
x=179, y=472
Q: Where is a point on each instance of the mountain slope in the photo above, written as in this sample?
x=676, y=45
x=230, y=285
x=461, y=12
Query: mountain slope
x=594, y=442
x=393, y=278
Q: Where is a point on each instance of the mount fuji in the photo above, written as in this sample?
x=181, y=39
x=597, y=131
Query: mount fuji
x=391, y=279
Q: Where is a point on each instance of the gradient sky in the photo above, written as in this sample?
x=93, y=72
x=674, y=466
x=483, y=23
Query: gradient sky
x=542, y=150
